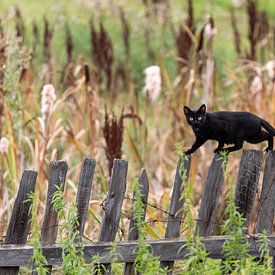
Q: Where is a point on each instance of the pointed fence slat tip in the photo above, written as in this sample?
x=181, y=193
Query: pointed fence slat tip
x=121, y=161
x=56, y=163
x=88, y=160
x=30, y=171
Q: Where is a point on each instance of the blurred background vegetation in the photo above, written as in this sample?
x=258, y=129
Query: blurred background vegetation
x=94, y=53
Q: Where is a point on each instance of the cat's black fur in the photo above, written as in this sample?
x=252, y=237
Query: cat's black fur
x=227, y=128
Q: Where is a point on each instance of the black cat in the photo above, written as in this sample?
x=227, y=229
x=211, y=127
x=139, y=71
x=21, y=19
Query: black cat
x=227, y=128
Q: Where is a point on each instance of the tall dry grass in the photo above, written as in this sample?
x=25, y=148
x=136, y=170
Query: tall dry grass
x=78, y=124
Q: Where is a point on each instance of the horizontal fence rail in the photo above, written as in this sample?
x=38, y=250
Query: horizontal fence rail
x=166, y=250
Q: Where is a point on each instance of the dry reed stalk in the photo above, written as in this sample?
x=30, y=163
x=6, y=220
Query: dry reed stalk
x=190, y=87
x=258, y=32
x=41, y=153
x=113, y=135
x=123, y=70
x=200, y=54
x=93, y=103
x=46, y=126
x=125, y=35
x=35, y=38
x=147, y=31
x=208, y=82
x=147, y=39
x=258, y=29
x=26, y=77
x=252, y=23
x=47, y=40
x=69, y=45
x=121, y=78
x=67, y=75
x=237, y=37
x=185, y=41
x=47, y=50
x=183, y=38
x=263, y=36
x=20, y=26
x=209, y=66
x=102, y=54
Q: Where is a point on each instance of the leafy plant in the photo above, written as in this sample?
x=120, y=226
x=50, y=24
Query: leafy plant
x=197, y=255
x=145, y=262
x=38, y=260
x=72, y=246
x=236, y=248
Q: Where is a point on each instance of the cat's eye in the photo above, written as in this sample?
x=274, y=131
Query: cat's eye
x=199, y=117
x=191, y=119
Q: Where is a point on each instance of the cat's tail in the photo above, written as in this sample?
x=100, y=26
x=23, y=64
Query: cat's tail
x=268, y=127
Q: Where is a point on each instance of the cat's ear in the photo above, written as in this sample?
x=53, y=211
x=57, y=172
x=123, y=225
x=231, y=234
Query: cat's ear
x=187, y=111
x=202, y=109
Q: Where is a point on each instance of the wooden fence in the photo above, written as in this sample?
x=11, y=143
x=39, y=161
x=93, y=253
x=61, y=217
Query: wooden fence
x=15, y=253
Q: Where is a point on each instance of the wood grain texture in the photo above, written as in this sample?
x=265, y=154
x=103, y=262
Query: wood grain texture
x=57, y=177
x=133, y=230
x=266, y=212
x=166, y=249
x=113, y=204
x=18, y=228
x=84, y=192
x=247, y=182
x=177, y=202
x=210, y=198
x=267, y=197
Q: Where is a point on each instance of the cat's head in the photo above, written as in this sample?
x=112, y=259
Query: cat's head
x=195, y=118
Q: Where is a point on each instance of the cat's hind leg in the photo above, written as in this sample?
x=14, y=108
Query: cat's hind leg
x=238, y=145
x=270, y=144
x=262, y=136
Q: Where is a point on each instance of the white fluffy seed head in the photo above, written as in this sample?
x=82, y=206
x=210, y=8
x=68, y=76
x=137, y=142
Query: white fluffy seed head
x=152, y=82
x=209, y=31
x=47, y=100
x=270, y=69
x=256, y=85
x=4, y=145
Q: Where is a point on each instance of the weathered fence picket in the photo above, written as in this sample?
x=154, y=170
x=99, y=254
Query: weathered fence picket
x=266, y=212
x=57, y=177
x=211, y=195
x=84, y=192
x=133, y=230
x=18, y=228
x=267, y=198
x=14, y=253
x=113, y=204
x=177, y=202
x=247, y=182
